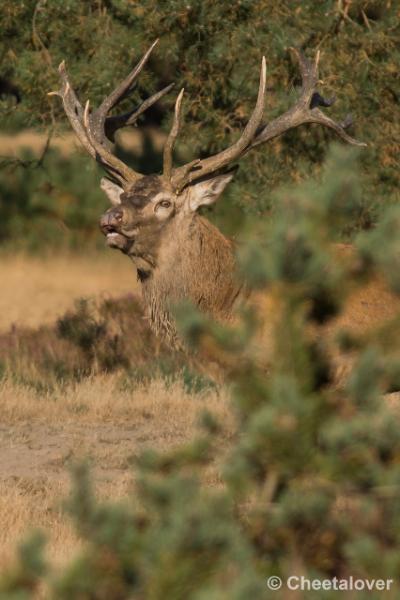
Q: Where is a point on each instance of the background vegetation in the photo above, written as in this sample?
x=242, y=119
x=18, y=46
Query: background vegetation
x=213, y=50
x=309, y=481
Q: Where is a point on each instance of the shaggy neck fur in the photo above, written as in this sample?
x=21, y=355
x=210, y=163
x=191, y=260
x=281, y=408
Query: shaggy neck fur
x=196, y=263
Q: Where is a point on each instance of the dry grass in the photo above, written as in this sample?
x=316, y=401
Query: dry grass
x=108, y=399
x=24, y=505
x=41, y=436
x=37, y=290
x=107, y=419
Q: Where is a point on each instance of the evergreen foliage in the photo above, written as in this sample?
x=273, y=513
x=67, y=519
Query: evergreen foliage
x=53, y=204
x=311, y=484
x=213, y=49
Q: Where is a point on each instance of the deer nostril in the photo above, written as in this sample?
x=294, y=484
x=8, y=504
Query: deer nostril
x=115, y=216
x=110, y=219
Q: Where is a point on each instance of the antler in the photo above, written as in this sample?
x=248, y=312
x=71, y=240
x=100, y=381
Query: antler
x=93, y=129
x=304, y=111
x=96, y=128
x=173, y=134
x=183, y=175
x=306, y=108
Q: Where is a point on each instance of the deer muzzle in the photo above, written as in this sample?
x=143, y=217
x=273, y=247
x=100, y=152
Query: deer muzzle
x=111, y=220
x=110, y=225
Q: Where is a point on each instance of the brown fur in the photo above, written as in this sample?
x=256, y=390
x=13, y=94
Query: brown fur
x=143, y=190
x=181, y=256
x=196, y=263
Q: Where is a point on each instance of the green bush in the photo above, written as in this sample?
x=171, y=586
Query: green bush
x=94, y=337
x=311, y=484
x=53, y=204
x=213, y=49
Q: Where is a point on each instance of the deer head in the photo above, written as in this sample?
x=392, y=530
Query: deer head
x=144, y=208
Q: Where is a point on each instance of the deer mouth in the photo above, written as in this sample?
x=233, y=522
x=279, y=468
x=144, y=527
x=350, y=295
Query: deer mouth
x=115, y=239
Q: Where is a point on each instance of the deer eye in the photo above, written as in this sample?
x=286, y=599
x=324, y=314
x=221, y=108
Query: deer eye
x=163, y=204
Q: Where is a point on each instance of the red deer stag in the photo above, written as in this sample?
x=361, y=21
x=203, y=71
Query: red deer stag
x=154, y=220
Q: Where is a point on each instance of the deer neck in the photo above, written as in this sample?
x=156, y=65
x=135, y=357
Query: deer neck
x=195, y=263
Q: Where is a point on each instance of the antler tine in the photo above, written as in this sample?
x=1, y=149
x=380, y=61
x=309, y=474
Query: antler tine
x=99, y=116
x=92, y=129
x=109, y=161
x=306, y=108
x=182, y=177
x=309, y=74
x=173, y=134
x=319, y=117
x=73, y=108
x=81, y=123
x=112, y=124
x=125, y=86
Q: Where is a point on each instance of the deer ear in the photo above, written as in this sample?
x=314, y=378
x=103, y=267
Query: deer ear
x=112, y=190
x=206, y=192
